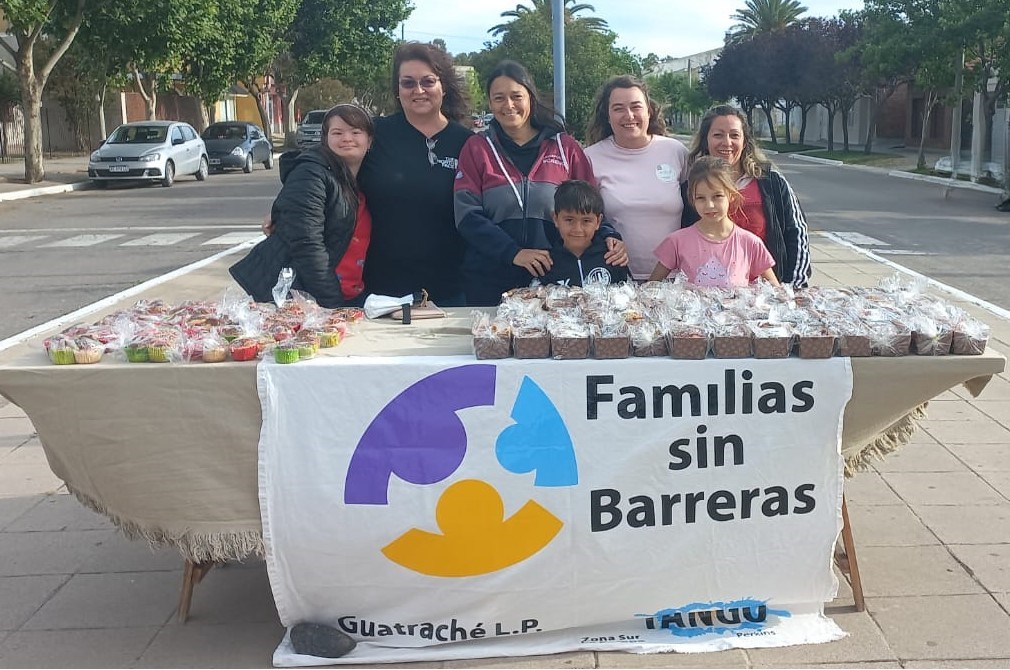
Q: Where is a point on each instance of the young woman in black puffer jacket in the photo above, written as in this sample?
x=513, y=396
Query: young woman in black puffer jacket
x=320, y=225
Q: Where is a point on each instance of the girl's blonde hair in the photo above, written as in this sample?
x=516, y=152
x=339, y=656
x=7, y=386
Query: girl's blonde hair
x=716, y=171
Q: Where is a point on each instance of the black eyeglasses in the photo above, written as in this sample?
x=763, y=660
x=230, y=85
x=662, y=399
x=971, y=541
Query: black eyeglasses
x=432, y=158
x=427, y=82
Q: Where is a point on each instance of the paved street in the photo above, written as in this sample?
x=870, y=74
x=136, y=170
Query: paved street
x=959, y=240
x=61, y=252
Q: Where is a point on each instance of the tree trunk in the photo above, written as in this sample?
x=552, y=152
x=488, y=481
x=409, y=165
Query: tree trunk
x=204, y=116
x=254, y=90
x=102, y=125
x=290, y=127
x=771, y=124
x=803, y=125
x=845, y=129
x=31, y=103
x=928, y=101
x=150, y=98
x=871, y=131
x=831, y=128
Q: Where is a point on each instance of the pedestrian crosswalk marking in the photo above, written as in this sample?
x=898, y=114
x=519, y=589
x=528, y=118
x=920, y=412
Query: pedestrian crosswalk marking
x=232, y=239
x=158, y=240
x=860, y=239
x=81, y=241
x=14, y=240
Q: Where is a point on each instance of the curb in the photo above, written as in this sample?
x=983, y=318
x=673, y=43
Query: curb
x=815, y=159
x=950, y=183
x=45, y=190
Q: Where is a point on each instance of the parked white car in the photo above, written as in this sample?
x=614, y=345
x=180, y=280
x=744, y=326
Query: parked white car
x=149, y=151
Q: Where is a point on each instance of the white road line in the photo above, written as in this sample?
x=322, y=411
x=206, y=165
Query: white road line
x=956, y=292
x=89, y=240
x=234, y=238
x=859, y=238
x=14, y=240
x=131, y=229
x=158, y=240
x=902, y=252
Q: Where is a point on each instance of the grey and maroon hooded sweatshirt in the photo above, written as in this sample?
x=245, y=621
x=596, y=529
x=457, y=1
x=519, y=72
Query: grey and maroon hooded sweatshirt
x=500, y=210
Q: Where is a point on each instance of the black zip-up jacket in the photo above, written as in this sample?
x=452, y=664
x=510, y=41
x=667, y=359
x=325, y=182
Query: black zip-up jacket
x=786, y=232
x=570, y=270
x=313, y=224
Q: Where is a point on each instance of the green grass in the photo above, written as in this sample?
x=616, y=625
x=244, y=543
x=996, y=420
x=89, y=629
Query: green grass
x=853, y=157
x=784, y=148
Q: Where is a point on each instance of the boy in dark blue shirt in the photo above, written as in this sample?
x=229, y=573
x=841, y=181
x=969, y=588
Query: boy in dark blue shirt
x=578, y=212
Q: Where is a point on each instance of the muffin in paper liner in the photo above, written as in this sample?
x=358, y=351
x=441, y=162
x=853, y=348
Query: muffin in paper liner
x=286, y=352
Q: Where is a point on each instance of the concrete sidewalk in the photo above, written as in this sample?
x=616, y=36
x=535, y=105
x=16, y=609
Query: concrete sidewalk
x=62, y=175
x=931, y=523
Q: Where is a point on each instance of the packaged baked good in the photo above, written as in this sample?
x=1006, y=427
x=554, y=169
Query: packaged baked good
x=771, y=340
x=687, y=341
x=244, y=349
x=647, y=339
x=814, y=340
x=610, y=338
x=492, y=338
x=970, y=337
x=286, y=352
x=531, y=341
x=731, y=340
x=931, y=337
x=88, y=350
x=569, y=337
x=60, y=350
x=853, y=339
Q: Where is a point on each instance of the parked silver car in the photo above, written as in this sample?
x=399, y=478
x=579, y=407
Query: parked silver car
x=310, y=130
x=149, y=151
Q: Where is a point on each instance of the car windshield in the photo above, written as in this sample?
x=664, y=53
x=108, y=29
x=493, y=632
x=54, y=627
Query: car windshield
x=139, y=135
x=314, y=118
x=224, y=133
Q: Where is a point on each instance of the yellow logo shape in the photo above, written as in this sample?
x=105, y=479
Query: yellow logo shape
x=476, y=537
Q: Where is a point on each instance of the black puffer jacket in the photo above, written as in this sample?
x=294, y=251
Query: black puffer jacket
x=313, y=224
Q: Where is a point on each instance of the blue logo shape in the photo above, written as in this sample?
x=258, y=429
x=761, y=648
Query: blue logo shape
x=717, y=618
x=538, y=441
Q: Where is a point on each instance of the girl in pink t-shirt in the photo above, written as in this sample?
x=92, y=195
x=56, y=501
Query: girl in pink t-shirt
x=714, y=251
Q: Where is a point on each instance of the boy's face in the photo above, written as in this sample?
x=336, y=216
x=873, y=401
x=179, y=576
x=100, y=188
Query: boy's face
x=577, y=229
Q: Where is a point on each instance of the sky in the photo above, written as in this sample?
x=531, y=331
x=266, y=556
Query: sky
x=665, y=27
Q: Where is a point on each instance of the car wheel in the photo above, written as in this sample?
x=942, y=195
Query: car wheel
x=269, y=162
x=247, y=168
x=201, y=174
x=169, y=177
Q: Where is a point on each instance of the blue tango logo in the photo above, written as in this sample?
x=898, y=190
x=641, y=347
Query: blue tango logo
x=747, y=616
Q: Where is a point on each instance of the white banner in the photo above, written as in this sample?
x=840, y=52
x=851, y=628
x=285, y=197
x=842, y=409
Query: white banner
x=441, y=507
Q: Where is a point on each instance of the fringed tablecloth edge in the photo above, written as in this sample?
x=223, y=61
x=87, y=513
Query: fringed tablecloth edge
x=889, y=441
x=197, y=547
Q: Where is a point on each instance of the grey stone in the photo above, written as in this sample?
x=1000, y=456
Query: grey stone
x=316, y=639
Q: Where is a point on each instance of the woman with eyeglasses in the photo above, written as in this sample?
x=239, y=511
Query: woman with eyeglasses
x=319, y=223
x=504, y=192
x=408, y=180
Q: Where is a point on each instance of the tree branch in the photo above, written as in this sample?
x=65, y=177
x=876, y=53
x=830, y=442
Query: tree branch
x=138, y=82
x=75, y=25
x=37, y=32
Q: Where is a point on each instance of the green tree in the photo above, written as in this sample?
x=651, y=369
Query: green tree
x=765, y=16
x=590, y=57
x=30, y=20
x=542, y=10
x=678, y=96
x=324, y=94
x=346, y=39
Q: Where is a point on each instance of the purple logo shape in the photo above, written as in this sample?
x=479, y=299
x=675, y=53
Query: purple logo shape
x=417, y=436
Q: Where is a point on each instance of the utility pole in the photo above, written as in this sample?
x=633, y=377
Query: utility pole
x=558, y=26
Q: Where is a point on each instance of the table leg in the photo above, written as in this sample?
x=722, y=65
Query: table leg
x=192, y=574
x=850, y=566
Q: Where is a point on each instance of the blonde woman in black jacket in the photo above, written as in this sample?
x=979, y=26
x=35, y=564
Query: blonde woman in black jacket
x=770, y=209
x=321, y=226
